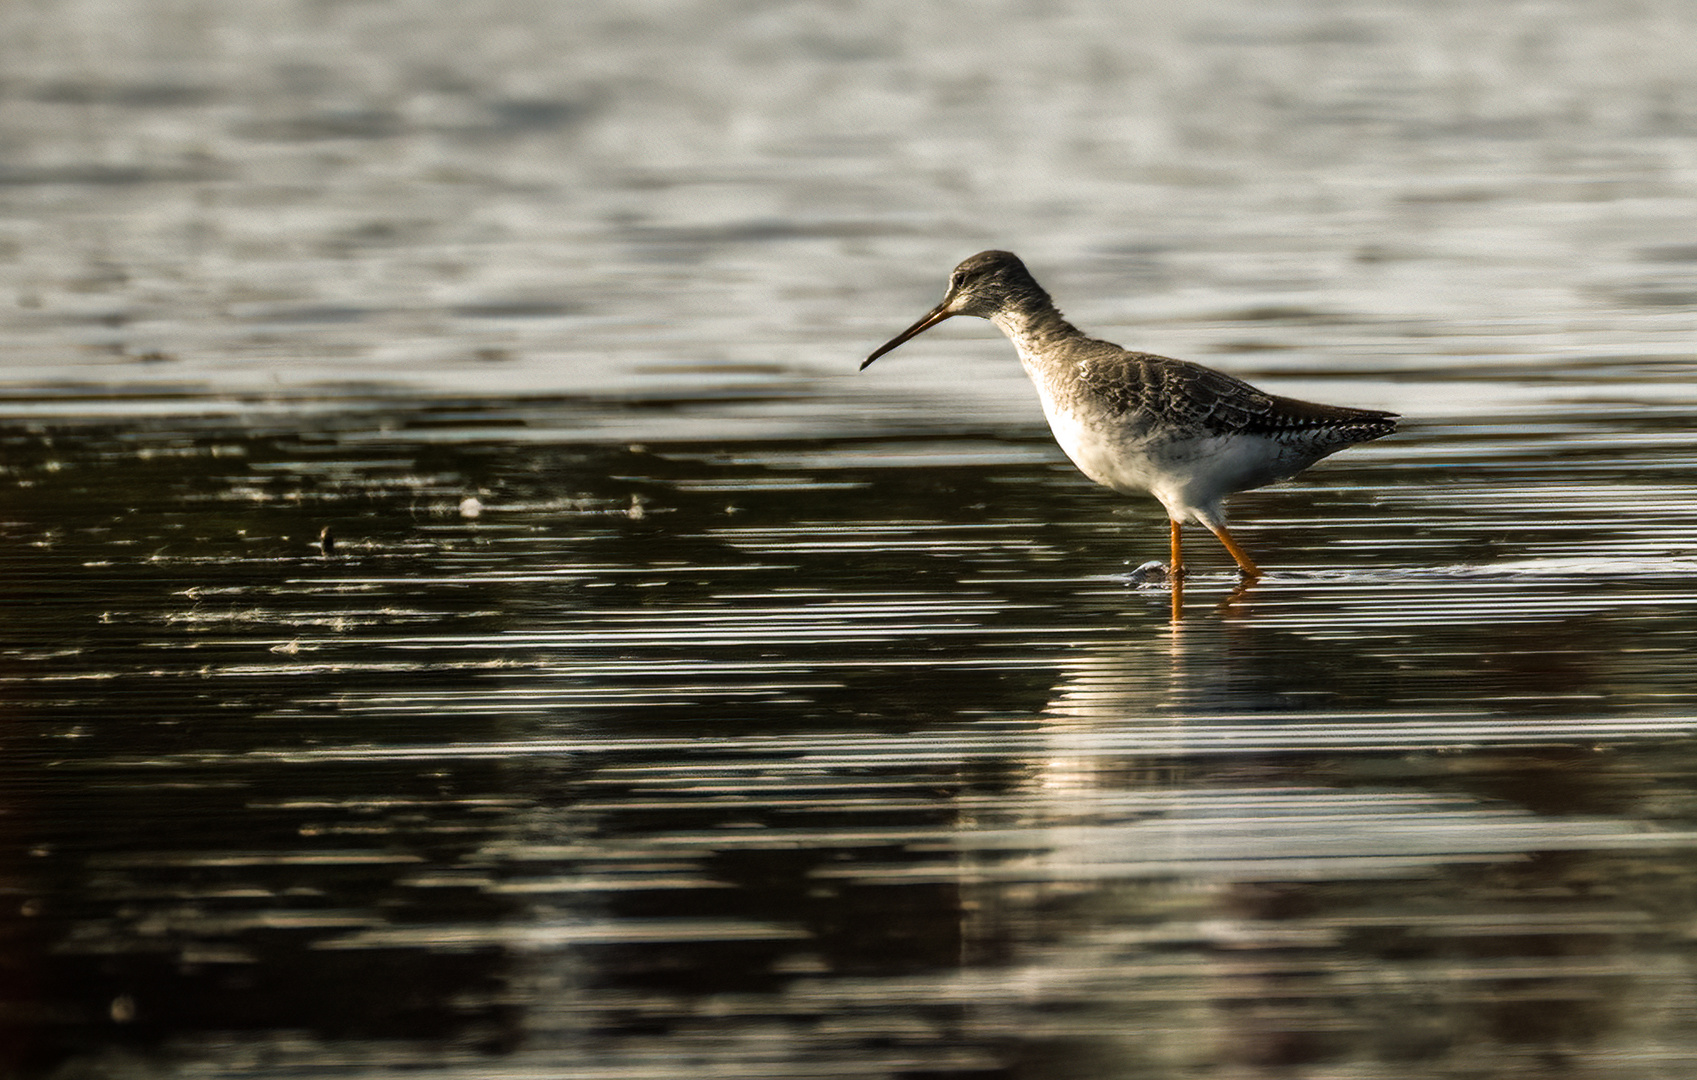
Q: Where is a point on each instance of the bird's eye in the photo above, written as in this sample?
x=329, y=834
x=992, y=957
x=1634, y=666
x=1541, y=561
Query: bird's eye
x=956, y=280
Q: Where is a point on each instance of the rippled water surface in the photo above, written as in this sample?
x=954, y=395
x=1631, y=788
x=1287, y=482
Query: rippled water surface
x=672, y=700
x=843, y=756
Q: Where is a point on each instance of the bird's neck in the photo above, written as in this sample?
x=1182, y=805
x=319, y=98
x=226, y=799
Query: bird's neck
x=1036, y=328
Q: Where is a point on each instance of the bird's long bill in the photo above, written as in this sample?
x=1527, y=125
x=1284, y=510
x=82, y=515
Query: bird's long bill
x=932, y=318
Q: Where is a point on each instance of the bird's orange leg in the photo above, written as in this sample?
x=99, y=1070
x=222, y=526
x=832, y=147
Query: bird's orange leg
x=1244, y=562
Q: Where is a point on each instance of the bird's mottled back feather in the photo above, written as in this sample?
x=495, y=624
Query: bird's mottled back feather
x=1189, y=397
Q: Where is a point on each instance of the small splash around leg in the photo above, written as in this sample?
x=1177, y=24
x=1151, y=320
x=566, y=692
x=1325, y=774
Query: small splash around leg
x=1150, y=573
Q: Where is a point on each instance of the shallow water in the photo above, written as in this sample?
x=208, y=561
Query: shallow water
x=675, y=700
x=846, y=756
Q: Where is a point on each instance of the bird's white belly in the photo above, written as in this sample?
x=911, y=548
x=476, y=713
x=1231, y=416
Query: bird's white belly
x=1108, y=454
x=1190, y=474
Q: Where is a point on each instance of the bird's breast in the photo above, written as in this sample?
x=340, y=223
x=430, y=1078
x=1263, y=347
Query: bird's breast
x=1116, y=451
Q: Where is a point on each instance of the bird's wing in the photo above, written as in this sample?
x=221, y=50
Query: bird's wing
x=1187, y=395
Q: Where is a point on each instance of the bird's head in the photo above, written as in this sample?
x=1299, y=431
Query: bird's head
x=988, y=282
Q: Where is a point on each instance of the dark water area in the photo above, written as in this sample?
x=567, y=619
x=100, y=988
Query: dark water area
x=673, y=700
x=836, y=757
